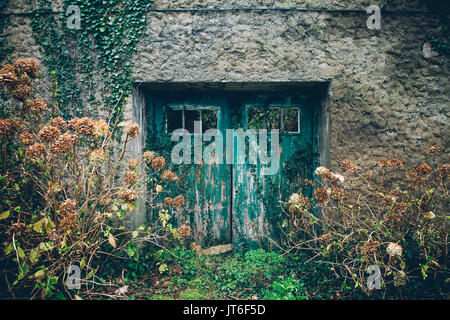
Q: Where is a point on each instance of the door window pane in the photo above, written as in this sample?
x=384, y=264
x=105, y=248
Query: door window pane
x=255, y=118
x=273, y=118
x=291, y=120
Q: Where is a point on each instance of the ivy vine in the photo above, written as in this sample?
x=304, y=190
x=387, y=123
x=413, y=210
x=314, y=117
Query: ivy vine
x=92, y=65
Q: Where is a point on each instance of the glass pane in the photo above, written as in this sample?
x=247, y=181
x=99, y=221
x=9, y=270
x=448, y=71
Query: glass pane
x=291, y=120
x=189, y=117
x=209, y=119
x=174, y=119
x=273, y=118
x=255, y=118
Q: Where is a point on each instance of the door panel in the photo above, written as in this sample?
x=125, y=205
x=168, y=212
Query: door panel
x=257, y=212
x=206, y=187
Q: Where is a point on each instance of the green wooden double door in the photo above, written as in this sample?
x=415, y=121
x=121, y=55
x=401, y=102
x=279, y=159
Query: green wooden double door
x=230, y=197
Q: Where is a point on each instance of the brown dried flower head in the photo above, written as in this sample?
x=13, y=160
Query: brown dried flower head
x=101, y=129
x=168, y=175
x=168, y=201
x=22, y=91
x=391, y=163
x=349, y=166
x=49, y=134
x=423, y=168
x=148, y=156
x=28, y=66
x=434, y=149
x=158, y=163
x=133, y=163
x=35, y=152
x=26, y=138
x=133, y=130
x=36, y=105
x=84, y=126
x=321, y=195
x=64, y=143
x=338, y=194
x=59, y=123
x=128, y=196
x=184, y=231
x=69, y=206
x=7, y=127
x=8, y=75
x=98, y=156
x=178, y=201
x=68, y=222
x=131, y=178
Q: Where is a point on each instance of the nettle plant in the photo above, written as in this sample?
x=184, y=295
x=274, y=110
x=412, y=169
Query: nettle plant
x=65, y=185
x=393, y=219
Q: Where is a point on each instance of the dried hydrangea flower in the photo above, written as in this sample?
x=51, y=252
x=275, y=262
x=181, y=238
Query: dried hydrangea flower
x=22, y=91
x=49, y=134
x=297, y=202
x=321, y=194
x=101, y=129
x=64, y=143
x=184, y=231
x=391, y=163
x=423, y=168
x=36, y=105
x=133, y=163
x=148, y=156
x=59, y=123
x=28, y=66
x=98, y=156
x=69, y=206
x=158, y=163
x=133, y=130
x=178, y=201
x=131, y=178
x=321, y=170
x=434, y=149
x=26, y=138
x=167, y=201
x=8, y=75
x=394, y=250
x=7, y=127
x=85, y=126
x=36, y=151
x=128, y=196
x=349, y=166
x=169, y=176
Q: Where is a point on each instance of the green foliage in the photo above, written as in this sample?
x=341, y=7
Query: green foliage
x=96, y=57
x=286, y=289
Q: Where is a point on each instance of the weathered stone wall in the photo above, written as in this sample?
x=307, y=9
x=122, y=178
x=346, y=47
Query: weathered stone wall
x=389, y=91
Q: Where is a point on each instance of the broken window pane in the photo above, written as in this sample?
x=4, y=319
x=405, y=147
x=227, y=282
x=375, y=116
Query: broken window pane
x=174, y=119
x=273, y=118
x=255, y=118
x=209, y=119
x=290, y=120
x=189, y=117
